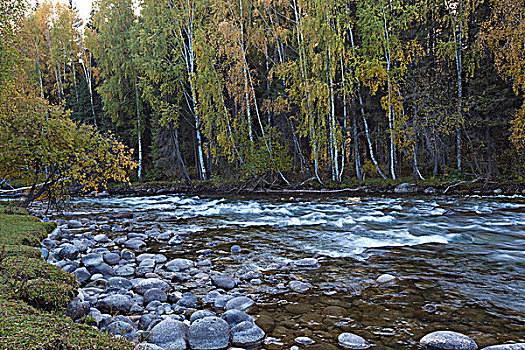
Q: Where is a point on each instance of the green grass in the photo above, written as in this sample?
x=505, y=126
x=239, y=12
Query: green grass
x=35, y=294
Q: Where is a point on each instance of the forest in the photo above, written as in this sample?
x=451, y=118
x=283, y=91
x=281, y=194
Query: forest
x=284, y=91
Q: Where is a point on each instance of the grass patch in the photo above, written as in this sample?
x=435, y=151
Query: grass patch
x=35, y=294
x=23, y=230
x=23, y=326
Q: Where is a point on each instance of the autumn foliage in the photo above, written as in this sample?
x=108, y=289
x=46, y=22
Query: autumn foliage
x=41, y=148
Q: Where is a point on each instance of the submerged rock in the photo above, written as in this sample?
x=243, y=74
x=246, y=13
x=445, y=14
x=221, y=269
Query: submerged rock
x=352, y=341
x=447, y=340
x=307, y=263
x=298, y=286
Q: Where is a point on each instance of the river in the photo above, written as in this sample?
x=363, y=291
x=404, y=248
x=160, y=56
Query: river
x=459, y=262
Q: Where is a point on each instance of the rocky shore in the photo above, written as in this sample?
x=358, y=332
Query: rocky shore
x=143, y=298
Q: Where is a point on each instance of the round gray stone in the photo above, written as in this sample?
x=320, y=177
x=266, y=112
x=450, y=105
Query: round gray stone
x=517, y=346
x=124, y=329
x=177, y=265
x=447, y=340
x=68, y=251
x=116, y=302
x=169, y=334
x=352, y=341
x=92, y=259
x=154, y=294
x=234, y=317
x=111, y=258
x=150, y=283
x=239, y=303
x=77, y=309
x=209, y=333
x=197, y=315
x=134, y=244
x=223, y=281
x=307, y=263
x=82, y=274
x=298, y=286
x=119, y=283
x=247, y=334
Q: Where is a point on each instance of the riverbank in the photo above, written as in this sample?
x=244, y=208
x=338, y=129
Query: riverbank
x=34, y=295
x=402, y=186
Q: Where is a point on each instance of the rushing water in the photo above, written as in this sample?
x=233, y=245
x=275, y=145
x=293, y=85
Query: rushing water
x=460, y=262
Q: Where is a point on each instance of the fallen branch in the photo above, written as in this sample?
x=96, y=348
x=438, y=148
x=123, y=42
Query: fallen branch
x=461, y=183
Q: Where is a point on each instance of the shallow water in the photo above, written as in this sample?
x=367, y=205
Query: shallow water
x=460, y=262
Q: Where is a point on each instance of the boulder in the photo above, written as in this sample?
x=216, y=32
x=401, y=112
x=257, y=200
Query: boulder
x=247, y=334
x=352, y=341
x=234, y=317
x=518, y=346
x=223, y=281
x=111, y=258
x=406, y=188
x=101, y=238
x=92, y=259
x=104, y=269
x=447, y=340
x=68, y=251
x=209, y=333
x=119, y=283
x=114, y=303
x=124, y=215
x=177, y=265
x=147, y=346
x=82, y=274
x=123, y=329
x=154, y=294
x=170, y=334
x=134, y=244
x=77, y=309
x=197, y=315
x=306, y=263
x=74, y=224
x=298, y=286
x=239, y=303
x=150, y=283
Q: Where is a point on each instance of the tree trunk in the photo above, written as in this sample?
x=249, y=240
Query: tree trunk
x=361, y=104
x=139, y=129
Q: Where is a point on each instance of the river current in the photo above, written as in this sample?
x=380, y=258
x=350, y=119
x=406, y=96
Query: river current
x=459, y=262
